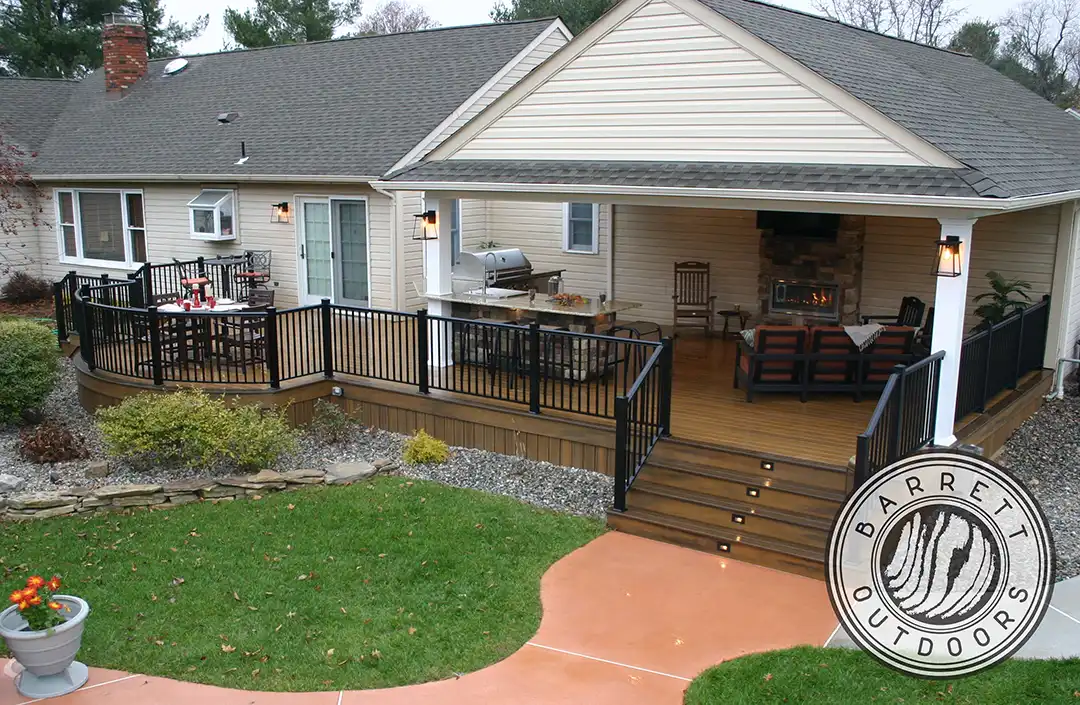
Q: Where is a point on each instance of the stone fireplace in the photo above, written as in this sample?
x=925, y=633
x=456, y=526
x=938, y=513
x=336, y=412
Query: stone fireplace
x=792, y=270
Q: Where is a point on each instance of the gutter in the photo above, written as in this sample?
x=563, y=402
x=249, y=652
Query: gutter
x=986, y=205
x=242, y=178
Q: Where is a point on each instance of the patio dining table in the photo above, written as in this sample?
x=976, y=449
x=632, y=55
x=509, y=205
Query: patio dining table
x=195, y=339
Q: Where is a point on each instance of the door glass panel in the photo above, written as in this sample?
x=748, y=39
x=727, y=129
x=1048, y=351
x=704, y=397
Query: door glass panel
x=350, y=224
x=317, y=249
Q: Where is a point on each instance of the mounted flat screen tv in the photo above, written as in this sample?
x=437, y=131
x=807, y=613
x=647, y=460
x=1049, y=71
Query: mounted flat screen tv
x=807, y=226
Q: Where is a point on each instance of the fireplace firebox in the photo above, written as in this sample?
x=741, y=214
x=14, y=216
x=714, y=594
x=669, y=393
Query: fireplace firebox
x=805, y=298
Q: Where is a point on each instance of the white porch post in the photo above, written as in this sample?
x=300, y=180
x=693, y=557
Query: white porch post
x=950, y=303
x=438, y=264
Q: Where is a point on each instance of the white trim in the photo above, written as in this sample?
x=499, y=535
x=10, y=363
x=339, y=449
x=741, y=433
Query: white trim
x=217, y=235
x=79, y=259
x=418, y=151
x=203, y=178
x=609, y=237
x=1057, y=345
x=983, y=206
x=950, y=302
x=595, y=249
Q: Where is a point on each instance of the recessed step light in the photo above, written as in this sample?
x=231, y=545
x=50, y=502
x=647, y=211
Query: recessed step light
x=767, y=465
x=753, y=492
x=738, y=518
x=723, y=547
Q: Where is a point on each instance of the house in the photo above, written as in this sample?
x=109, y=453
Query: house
x=126, y=155
x=825, y=173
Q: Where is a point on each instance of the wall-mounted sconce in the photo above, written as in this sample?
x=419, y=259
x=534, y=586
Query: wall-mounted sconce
x=949, y=257
x=279, y=212
x=426, y=222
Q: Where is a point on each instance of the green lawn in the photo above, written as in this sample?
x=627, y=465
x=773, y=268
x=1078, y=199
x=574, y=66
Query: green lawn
x=814, y=675
x=374, y=585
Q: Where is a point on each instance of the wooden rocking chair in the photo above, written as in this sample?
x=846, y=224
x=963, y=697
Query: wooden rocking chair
x=693, y=303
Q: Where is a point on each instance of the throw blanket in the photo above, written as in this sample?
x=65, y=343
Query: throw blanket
x=748, y=336
x=864, y=336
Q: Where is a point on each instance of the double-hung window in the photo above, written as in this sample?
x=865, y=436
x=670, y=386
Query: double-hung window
x=101, y=227
x=212, y=215
x=581, y=227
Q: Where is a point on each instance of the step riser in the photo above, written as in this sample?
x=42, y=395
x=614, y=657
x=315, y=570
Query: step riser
x=740, y=552
x=673, y=453
x=753, y=524
x=726, y=489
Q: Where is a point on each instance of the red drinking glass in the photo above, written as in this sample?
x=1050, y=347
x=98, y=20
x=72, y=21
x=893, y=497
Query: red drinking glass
x=187, y=305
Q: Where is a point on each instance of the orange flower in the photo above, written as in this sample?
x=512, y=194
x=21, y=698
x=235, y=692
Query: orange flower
x=24, y=605
x=16, y=596
x=27, y=593
x=55, y=606
x=53, y=584
x=35, y=600
x=35, y=581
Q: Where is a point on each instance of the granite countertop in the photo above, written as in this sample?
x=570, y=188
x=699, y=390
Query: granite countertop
x=590, y=309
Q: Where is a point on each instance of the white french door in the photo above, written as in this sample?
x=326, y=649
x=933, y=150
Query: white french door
x=332, y=238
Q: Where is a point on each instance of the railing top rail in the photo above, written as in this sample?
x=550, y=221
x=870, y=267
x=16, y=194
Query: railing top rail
x=925, y=362
x=382, y=311
x=652, y=362
x=568, y=333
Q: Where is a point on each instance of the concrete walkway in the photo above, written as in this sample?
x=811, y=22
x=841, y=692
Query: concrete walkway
x=626, y=620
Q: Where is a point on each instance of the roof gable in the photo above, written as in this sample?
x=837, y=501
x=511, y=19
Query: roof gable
x=350, y=107
x=670, y=80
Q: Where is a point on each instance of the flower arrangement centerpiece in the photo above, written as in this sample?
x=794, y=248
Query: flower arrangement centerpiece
x=568, y=300
x=43, y=631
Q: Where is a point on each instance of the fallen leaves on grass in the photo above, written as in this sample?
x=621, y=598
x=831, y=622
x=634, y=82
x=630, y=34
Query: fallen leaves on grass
x=228, y=648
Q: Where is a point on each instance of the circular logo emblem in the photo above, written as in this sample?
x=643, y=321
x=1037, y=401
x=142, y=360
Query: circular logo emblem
x=941, y=565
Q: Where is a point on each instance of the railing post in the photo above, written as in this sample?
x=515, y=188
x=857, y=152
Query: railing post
x=1017, y=373
x=135, y=292
x=534, y=367
x=58, y=307
x=86, y=334
x=666, y=366
x=148, y=282
x=155, y=346
x=272, y=360
x=622, y=433
x=422, y=351
x=862, y=462
x=987, y=359
x=73, y=286
x=327, y=339
x=896, y=432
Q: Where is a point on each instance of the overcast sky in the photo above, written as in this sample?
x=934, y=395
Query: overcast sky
x=446, y=12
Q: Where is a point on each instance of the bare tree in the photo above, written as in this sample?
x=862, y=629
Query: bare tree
x=923, y=21
x=20, y=206
x=1044, y=44
x=395, y=16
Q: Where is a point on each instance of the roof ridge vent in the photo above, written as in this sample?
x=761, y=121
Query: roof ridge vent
x=226, y=118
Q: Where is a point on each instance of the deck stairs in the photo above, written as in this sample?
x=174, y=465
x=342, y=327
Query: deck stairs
x=767, y=510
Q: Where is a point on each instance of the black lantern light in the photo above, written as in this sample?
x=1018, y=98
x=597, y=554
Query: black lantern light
x=279, y=212
x=949, y=257
x=426, y=221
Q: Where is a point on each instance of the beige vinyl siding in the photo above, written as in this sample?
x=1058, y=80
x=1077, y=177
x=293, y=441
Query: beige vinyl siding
x=663, y=86
x=649, y=240
x=21, y=251
x=537, y=228
x=168, y=233
x=412, y=260
x=900, y=253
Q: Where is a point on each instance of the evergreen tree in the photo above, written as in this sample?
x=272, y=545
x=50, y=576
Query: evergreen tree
x=980, y=38
x=577, y=14
x=290, y=21
x=164, y=35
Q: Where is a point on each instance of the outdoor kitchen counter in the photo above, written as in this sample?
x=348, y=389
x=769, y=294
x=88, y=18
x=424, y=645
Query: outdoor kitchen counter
x=587, y=315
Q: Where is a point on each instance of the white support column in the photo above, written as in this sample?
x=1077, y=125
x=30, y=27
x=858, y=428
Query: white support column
x=438, y=265
x=950, y=303
x=1057, y=343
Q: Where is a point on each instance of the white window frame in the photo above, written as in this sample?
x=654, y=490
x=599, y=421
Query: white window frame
x=216, y=236
x=129, y=254
x=595, y=249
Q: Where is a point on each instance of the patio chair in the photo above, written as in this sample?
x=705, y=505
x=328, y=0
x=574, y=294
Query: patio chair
x=242, y=339
x=776, y=361
x=924, y=338
x=910, y=314
x=893, y=347
x=693, y=303
x=257, y=272
x=260, y=298
x=191, y=278
x=834, y=358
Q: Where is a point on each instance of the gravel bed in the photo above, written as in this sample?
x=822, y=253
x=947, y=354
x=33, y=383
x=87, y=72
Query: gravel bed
x=570, y=490
x=1045, y=454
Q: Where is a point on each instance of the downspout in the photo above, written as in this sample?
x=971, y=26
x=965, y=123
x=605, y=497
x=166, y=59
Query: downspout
x=395, y=245
x=1059, y=379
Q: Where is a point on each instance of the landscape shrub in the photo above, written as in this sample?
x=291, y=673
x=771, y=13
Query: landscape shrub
x=23, y=288
x=28, y=364
x=191, y=429
x=329, y=424
x=423, y=449
x=51, y=443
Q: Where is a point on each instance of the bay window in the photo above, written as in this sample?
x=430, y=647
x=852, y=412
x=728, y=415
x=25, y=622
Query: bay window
x=212, y=215
x=102, y=227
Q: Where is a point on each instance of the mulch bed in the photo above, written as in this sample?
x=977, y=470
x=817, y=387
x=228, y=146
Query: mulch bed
x=34, y=309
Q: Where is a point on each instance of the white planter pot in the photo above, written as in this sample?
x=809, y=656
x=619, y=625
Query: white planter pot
x=47, y=656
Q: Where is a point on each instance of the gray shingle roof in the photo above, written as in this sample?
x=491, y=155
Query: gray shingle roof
x=344, y=107
x=1023, y=143
x=29, y=107
x=923, y=181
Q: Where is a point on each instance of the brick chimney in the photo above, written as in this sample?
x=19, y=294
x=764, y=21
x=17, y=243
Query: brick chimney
x=123, y=42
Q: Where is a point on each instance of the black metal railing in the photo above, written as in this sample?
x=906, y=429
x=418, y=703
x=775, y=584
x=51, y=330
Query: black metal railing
x=375, y=344
x=903, y=420
x=997, y=358
x=642, y=417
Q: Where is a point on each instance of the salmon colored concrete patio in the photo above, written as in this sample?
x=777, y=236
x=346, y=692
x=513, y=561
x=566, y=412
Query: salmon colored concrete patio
x=626, y=620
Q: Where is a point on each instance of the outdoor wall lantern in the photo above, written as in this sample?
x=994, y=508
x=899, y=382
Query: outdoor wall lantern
x=428, y=231
x=949, y=257
x=279, y=212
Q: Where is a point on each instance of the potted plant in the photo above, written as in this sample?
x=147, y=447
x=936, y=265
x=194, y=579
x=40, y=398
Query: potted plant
x=1000, y=303
x=43, y=631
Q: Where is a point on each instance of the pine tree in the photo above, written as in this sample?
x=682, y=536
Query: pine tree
x=290, y=21
x=577, y=14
